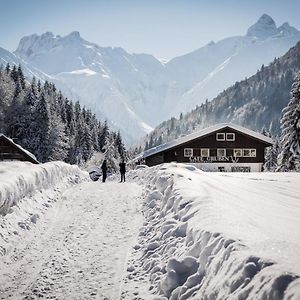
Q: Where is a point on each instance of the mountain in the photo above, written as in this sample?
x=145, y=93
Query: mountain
x=107, y=80
x=255, y=103
x=135, y=92
x=213, y=68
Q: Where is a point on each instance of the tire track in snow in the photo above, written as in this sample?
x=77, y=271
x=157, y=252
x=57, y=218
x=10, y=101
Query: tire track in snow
x=79, y=250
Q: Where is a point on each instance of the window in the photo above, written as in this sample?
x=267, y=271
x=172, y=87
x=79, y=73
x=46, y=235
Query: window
x=225, y=137
x=188, y=152
x=220, y=136
x=246, y=153
x=253, y=152
x=237, y=152
x=221, y=152
x=205, y=152
x=249, y=152
x=230, y=137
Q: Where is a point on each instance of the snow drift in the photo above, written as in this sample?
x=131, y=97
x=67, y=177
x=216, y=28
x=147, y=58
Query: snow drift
x=218, y=236
x=26, y=190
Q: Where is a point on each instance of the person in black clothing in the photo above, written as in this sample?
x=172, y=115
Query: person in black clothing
x=104, y=170
x=122, y=166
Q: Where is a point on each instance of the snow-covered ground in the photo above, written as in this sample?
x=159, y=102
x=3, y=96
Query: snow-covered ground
x=172, y=232
x=26, y=193
x=220, y=235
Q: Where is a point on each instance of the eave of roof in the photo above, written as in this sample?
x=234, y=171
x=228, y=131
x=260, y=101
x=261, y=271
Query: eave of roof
x=28, y=154
x=204, y=132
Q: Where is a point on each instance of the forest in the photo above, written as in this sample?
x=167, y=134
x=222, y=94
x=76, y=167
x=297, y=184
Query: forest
x=38, y=117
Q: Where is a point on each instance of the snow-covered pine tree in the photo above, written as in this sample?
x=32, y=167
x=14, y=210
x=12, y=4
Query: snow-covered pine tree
x=289, y=158
x=111, y=154
x=14, y=118
x=271, y=156
x=120, y=146
x=42, y=124
x=58, y=146
x=21, y=77
x=103, y=135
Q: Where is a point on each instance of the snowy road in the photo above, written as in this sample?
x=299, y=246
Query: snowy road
x=79, y=249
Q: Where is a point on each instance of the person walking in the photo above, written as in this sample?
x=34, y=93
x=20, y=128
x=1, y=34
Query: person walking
x=104, y=170
x=122, y=166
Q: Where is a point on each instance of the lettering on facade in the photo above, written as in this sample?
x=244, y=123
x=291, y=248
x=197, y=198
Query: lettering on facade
x=211, y=159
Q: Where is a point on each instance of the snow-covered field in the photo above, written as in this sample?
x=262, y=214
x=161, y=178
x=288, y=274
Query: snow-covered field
x=171, y=232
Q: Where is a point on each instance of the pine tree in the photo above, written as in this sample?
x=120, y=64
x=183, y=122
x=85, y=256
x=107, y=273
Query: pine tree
x=103, y=135
x=14, y=74
x=42, y=124
x=7, y=68
x=271, y=156
x=21, y=77
x=120, y=146
x=110, y=153
x=13, y=116
x=58, y=145
x=289, y=158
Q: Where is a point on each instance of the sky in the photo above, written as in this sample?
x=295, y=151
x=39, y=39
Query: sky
x=164, y=28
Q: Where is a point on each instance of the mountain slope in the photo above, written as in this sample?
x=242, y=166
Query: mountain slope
x=239, y=57
x=255, y=103
x=7, y=57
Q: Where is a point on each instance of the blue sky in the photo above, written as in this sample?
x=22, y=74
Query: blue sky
x=164, y=28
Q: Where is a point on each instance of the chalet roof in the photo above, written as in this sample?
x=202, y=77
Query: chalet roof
x=27, y=154
x=202, y=133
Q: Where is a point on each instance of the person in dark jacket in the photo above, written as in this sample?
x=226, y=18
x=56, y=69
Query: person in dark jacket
x=122, y=166
x=104, y=170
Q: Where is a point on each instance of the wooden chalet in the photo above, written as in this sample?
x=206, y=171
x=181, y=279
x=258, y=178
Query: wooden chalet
x=222, y=147
x=9, y=150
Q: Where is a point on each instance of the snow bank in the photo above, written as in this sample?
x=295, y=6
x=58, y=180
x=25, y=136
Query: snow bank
x=27, y=190
x=213, y=236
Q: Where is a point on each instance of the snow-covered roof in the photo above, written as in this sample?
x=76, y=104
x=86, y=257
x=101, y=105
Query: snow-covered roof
x=26, y=152
x=202, y=133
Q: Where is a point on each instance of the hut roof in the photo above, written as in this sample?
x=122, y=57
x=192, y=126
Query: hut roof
x=25, y=152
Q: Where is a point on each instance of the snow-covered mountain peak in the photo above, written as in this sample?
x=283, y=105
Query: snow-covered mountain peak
x=265, y=27
x=55, y=54
x=287, y=30
x=266, y=20
x=74, y=35
x=33, y=44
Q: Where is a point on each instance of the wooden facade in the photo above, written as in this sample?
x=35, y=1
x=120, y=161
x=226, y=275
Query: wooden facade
x=12, y=151
x=223, y=148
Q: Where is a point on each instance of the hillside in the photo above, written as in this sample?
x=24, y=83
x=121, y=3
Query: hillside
x=255, y=103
